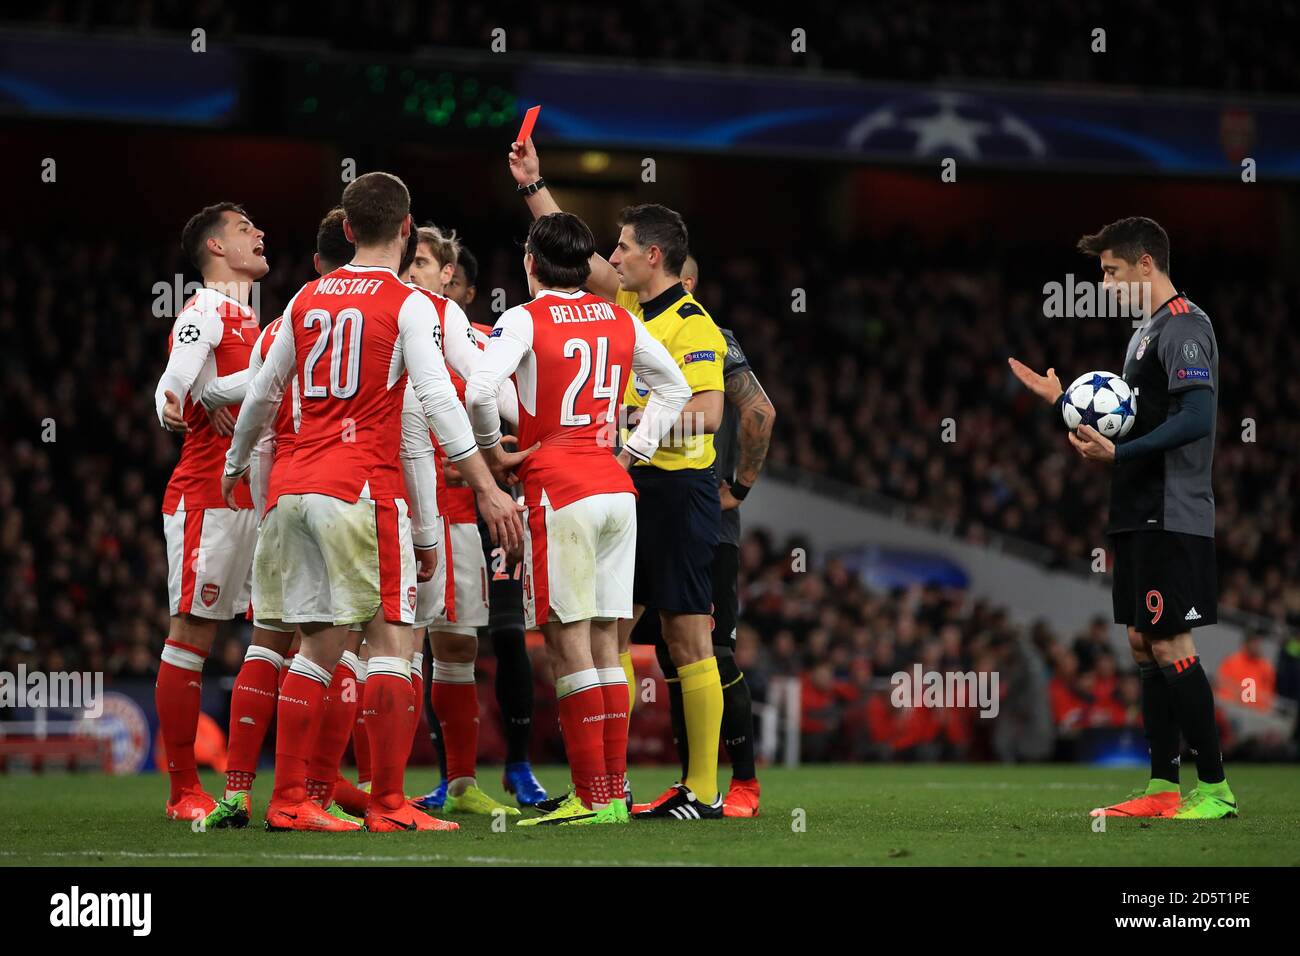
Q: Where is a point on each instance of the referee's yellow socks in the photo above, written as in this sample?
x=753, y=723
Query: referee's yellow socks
x=626, y=660
x=702, y=702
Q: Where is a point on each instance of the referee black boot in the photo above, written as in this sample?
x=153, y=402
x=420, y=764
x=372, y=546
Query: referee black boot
x=683, y=805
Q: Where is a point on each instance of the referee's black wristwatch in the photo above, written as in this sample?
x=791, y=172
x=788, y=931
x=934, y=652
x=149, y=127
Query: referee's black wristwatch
x=739, y=490
x=531, y=188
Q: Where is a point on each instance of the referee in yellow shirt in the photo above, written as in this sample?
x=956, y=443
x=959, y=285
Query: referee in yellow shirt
x=679, y=514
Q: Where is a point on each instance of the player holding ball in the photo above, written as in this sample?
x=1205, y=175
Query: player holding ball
x=1164, y=579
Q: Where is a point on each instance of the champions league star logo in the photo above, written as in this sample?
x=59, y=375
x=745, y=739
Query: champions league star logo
x=946, y=124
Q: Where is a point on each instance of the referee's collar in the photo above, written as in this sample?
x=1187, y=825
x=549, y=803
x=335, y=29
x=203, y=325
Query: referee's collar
x=657, y=306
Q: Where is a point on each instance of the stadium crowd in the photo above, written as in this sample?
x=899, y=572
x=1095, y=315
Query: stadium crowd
x=1224, y=47
x=1060, y=696
x=82, y=468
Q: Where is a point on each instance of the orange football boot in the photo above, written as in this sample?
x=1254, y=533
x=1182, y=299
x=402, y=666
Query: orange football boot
x=1140, y=803
x=741, y=799
x=405, y=817
x=306, y=815
x=193, y=804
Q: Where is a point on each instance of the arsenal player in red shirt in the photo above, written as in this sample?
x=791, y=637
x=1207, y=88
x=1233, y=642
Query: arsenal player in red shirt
x=209, y=547
x=343, y=552
x=571, y=353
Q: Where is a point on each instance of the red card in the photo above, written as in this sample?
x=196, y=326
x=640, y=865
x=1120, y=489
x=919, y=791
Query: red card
x=530, y=120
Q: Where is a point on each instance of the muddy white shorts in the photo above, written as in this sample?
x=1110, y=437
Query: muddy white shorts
x=579, y=560
x=322, y=559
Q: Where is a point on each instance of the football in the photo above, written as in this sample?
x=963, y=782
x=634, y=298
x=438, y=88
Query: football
x=1102, y=400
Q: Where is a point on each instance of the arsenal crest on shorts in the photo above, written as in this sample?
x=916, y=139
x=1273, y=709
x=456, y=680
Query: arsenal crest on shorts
x=410, y=597
x=209, y=593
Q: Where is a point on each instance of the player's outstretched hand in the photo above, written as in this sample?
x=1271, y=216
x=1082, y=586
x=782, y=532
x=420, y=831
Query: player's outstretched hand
x=524, y=164
x=1047, y=387
x=424, y=562
x=223, y=423
x=228, y=485
x=1092, y=444
x=174, y=414
x=501, y=515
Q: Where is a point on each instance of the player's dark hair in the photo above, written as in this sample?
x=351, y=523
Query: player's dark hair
x=656, y=225
x=467, y=261
x=409, y=253
x=561, y=245
x=332, y=242
x=201, y=227
x=376, y=204
x=1130, y=239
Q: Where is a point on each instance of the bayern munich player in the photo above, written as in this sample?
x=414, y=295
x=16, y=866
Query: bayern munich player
x=571, y=354
x=343, y=551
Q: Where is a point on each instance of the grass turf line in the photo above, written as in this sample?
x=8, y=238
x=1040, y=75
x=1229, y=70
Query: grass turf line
x=888, y=815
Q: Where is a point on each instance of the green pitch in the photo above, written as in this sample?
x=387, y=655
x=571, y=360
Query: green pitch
x=859, y=815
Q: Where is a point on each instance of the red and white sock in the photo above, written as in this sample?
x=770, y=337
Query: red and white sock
x=298, y=719
x=176, y=697
x=360, y=738
x=613, y=685
x=454, y=695
x=387, y=708
x=417, y=697
x=582, y=718
x=252, y=708
x=335, y=729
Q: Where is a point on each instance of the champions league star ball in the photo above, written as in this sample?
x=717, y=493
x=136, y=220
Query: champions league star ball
x=1102, y=400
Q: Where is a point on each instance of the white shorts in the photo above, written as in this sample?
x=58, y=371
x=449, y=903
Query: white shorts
x=579, y=560
x=210, y=561
x=322, y=559
x=266, y=528
x=455, y=599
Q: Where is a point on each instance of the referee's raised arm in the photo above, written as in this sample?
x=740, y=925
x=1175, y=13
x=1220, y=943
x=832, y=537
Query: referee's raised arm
x=526, y=168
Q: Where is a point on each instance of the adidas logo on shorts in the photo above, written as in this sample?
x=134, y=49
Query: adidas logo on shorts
x=1192, y=615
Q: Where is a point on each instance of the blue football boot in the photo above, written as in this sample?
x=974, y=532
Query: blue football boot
x=519, y=781
x=434, y=799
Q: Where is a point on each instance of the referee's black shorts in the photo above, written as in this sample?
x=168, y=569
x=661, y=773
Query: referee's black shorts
x=678, y=520
x=726, y=603
x=1164, y=582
